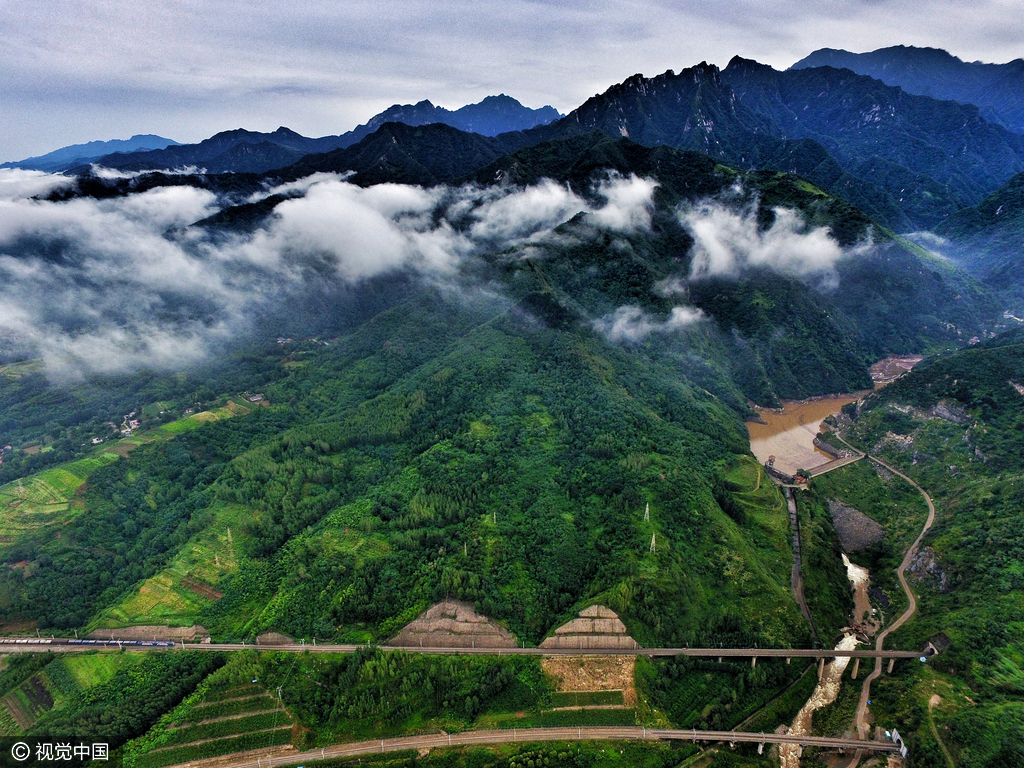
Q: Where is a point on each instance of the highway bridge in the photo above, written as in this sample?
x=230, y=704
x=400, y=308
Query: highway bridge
x=63, y=645
x=256, y=759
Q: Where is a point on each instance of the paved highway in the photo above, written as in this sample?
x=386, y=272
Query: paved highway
x=254, y=759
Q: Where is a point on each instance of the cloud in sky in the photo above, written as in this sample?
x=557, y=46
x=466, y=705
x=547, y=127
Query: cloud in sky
x=118, y=284
x=100, y=69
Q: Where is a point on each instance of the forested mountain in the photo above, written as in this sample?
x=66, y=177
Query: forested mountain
x=988, y=239
x=425, y=155
x=954, y=425
x=932, y=156
x=997, y=89
x=575, y=367
x=908, y=161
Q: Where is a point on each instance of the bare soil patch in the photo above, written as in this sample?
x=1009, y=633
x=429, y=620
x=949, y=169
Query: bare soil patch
x=581, y=674
x=274, y=638
x=17, y=627
x=18, y=711
x=891, y=368
x=201, y=588
x=856, y=530
x=152, y=632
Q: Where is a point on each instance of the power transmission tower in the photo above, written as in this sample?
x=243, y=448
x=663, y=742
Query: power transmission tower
x=652, y=541
x=647, y=513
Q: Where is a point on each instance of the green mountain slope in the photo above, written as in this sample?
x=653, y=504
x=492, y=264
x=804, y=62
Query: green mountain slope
x=987, y=239
x=954, y=425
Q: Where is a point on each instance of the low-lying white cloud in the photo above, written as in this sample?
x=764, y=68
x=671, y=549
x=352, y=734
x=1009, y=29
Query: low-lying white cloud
x=632, y=324
x=16, y=183
x=102, y=172
x=630, y=202
x=123, y=283
x=726, y=240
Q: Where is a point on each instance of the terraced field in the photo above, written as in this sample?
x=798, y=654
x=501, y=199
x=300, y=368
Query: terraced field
x=42, y=501
x=231, y=719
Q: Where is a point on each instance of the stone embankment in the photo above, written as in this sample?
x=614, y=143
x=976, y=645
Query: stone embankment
x=595, y=627
x=453, y=624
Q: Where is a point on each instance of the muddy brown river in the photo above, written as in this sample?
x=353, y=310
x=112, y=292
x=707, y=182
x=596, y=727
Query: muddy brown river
x=789, y=436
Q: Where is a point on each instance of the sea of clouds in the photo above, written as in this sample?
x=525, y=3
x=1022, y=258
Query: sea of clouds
x=103, y=286
x=111, y=285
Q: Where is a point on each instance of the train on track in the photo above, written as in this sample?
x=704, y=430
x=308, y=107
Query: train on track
x=72, y=641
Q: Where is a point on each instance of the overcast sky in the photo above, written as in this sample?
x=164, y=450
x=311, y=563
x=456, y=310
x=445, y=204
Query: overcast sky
x=73, y=71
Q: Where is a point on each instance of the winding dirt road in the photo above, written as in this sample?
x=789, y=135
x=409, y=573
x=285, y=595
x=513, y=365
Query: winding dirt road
x=865, y=694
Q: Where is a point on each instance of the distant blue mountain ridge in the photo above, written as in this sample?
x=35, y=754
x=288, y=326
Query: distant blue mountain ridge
x=997, y=89
x=83, y=154
x=243, y=151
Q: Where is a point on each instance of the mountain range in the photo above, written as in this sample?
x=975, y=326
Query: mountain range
x=997, y=89
x=244, y=151
x=908, y=161
x=82, y=154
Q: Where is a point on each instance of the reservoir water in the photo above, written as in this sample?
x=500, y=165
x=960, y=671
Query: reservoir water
x=789, y=435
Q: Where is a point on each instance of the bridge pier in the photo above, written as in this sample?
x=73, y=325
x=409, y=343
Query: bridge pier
x=821, y=667
x=719, y=659
x=753, y=661
x=788, y=659
x=892, y=663
x=856, y=668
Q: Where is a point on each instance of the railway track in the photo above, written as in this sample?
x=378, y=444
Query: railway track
x=532, y=735
x=65, y=645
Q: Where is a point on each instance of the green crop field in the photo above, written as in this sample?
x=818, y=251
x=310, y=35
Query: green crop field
x=89, y=669
x=42, y=501
x=196, y=420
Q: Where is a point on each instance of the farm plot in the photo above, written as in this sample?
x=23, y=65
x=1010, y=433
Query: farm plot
x=178, y=594
x=41, y=501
